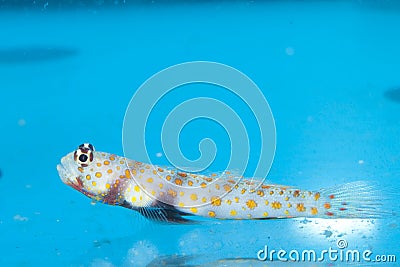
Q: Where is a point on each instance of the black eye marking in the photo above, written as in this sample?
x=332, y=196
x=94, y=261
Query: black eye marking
x=83, y=158
x=86, y=146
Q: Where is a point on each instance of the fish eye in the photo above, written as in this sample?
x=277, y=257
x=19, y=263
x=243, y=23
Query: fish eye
x=83, y=156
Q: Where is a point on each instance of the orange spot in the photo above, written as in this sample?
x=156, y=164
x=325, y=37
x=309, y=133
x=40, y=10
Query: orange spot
x=317, y=196
x=211, y=213
x=281, y=192
x=190, y=183
x=182, y=174
x=342, y=209
x=112, y=158
x=172, y=193
x=243, y=191
x=214, y=174
x=128, y=174
x=296, y=193
x=160, y=169
x=251, y=204
x=208, y=179
x=260, y=193
x=327, y=205
x=178, y=181
x=231, y=181
x=122, y=176
x=329, y=213
x=265, y=186
x=236, y=199
x=215, y=201
x=98, y=174
x=109, y=171
x=80, y=169
x=271, y=192
x=98, y=164
x=217, y=186
x=168, y=177
x=227, y=188
x=332, y=196
x=276, y=205
x=106, y=162
x=203, y=185
x=300, y=207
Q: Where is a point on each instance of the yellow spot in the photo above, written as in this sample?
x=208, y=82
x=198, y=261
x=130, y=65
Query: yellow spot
x=227, y=188
x=80, y=169
x=194, y=210
x=193, y=197
x=181, y=193
x=141, y=170
x=88, y=177
x=217, y=186
x=118, y=168
x=289, y=205
x=141, y=198
x=276, y=205
x=317, y=196
x=147, y=166
x=93, y=183
x=286, y=212
x=266, y=202
x=281, y=192
x=300, y=207
x=251, y=204
x=108, y=186
x=286, y=198
x=98, y=174
x=215, y=201
x=314, y=211
x=228, y=201
x=134, y=172
x=271, y=192
x=190, y=183
x=204, y=200
x=236, y=199
x=109, y=171
x=98, y=164
x=252, y=190
x=121, y=162
x=150, y=180
x=211, y=213
x=180, y=204
x=133, y=199
x=161, y=186
x=136, y=188
x=106, y=162
x=243, y=191
x=154, y=172
x=233, y=212
x=265, y=214
x=153, y=192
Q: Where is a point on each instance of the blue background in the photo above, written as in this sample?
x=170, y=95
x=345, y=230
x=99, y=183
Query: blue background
x=330, y=72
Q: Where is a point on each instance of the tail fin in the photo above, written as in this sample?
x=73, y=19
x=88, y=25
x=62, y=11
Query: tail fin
x=355, y=200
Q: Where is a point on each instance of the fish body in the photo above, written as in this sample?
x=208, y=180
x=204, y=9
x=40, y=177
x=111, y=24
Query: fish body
x=168, y=195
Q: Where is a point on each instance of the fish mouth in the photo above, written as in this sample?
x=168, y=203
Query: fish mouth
x=64, y=175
